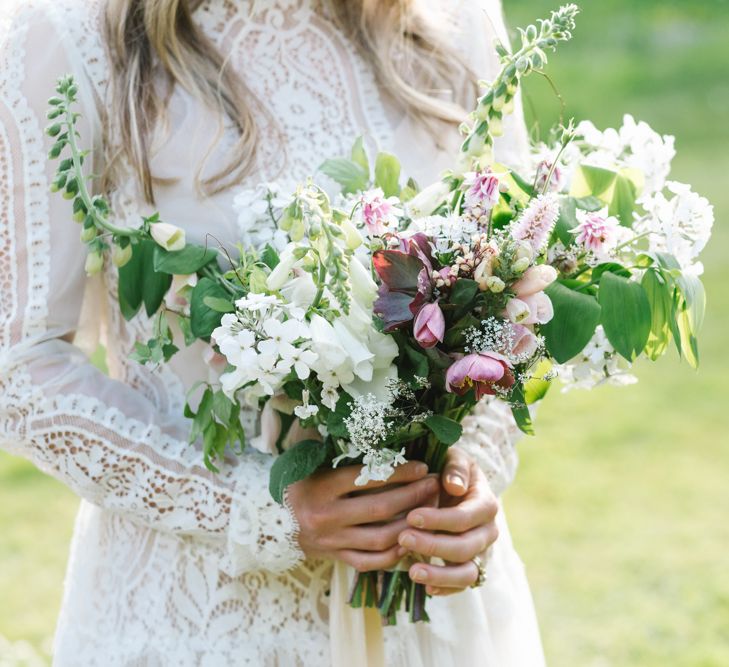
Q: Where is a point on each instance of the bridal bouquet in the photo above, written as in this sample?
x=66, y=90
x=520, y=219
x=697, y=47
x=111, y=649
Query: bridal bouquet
x=377, y=318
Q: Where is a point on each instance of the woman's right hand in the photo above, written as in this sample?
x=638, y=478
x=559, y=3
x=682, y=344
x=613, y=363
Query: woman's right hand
x=360, y=530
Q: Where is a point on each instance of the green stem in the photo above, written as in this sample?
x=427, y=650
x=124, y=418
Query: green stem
x=83, y=191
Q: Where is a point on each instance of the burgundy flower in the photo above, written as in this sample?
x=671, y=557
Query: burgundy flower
x=429, y=326
x=482, y=371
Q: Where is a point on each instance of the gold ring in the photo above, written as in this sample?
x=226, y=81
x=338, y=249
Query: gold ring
x=481, y=579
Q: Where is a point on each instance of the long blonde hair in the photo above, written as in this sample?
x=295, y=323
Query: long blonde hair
x=398, y=37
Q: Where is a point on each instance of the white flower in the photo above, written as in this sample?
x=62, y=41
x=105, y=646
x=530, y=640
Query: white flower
x=305, y=410
x=427, y=200
x=280, y=274
x=257, y=302
x=168, y=236
x=256, y=227
x=680, y=225
x=379, y=466
x=329, y=396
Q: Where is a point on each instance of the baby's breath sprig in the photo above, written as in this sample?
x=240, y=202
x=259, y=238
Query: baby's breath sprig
x=91, y=211
x=498, y=99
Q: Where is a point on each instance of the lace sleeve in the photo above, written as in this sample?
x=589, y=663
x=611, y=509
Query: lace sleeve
x=98, y=436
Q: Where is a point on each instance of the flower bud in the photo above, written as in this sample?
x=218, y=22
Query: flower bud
x=429, y=327
x=495, y=284
x=483, y=272
x=88, y=234
x=496, y=126
x=280, y=274
x=517, y=310
x=524, y=250
x=521, y=265
x=168, y=236
x=94, y=263
x=352, y=237
x=120, y=256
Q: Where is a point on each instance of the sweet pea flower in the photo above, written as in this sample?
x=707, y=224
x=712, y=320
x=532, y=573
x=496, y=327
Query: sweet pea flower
x=429, y=327
x=379, y=213
x=535, y=279
x=168, y=236
x=597, y=230
x=482, y=189
x=483, y=371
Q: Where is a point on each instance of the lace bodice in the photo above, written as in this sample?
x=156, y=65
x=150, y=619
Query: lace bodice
x=206, y=564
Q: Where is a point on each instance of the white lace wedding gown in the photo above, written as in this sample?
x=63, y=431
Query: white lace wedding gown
x=170, y=564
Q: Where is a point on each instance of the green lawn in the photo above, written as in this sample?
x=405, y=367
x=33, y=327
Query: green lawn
x=620, y=507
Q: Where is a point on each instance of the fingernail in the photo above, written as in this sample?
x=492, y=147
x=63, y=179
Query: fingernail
x=419, y=574
x=417, y=520
x=456, y=481
x=401, y=552
x=421, y=469
x=407, y=541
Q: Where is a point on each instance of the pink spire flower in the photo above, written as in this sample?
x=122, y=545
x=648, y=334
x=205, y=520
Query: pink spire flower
x=429, y=326
x=597, y=230
x=379, y=213
x=536, y=223
x=482, y=189
x=484, y=371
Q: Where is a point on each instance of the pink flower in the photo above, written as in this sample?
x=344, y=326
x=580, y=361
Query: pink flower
x=429, y=325
x=535, y=279
x=555, y=182
x=482, y=189
x=379, y=213
x=540, y=307
x=597, y=231
x=524, y=343
x=537, y=221
x=482, y=371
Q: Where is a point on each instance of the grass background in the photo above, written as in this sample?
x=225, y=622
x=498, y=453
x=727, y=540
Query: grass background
x=620, y=507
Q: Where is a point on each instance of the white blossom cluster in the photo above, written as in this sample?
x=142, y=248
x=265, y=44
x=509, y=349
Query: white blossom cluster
x=258, y=209
x=264, y=340
x=679, y=224
x=446, y=232
x=597, y=364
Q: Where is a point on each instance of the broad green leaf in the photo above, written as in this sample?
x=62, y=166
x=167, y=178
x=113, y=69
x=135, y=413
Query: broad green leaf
x=520, y=411
x=692, y=290
x=140, y=283
x=591, y=204
x=626, y=314
x=270, y=257
x=689, y=342
x=387, y=174
x=448, y=431
x=660, y=293
x=218, y=304
x=576, y=316
x=567, y=220
x=348, y=174
x=204, y=319
x=622, y=203
x=190, y=259
x=593, y=181
x=463, y=292
x=335, y=419
x=536, y=387
x=612, y=267
x=359, y=156
x=295, y=464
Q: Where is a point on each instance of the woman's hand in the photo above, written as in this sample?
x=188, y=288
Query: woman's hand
x=461, y=528
x=362, y=531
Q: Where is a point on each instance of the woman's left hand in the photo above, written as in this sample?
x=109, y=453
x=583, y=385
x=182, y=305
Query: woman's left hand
x=461, y=528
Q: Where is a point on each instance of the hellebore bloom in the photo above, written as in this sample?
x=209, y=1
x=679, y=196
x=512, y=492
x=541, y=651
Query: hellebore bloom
x=429, y=326
x=482, y=371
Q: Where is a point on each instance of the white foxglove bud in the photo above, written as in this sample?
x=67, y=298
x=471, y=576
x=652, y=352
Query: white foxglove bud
x=168, y=236
x=120, y=256
x=521, y=265
x=495, y=284
x=94, y=263
x=88, y=234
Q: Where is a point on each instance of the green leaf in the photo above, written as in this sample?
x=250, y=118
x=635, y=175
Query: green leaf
x=523, y=419
x=626, y=314
x=335, y=419
x=140, y=283
x=219, y=305
x=590, y=204
x=593, y=181
x=576, y=316
x=463, y=292
x=612, y=267
x=295, y=464
x=359, y=156
x=349, y=175
x=270, y=257
x=189, y=260
x=692, y=290
x=567, y=220
x=536, y=387
x=622, y=203
x=387, y=174
x=204, y=319
x=448, y=431
x=660, y=295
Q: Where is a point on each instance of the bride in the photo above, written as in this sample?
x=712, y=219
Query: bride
x=192, y=103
